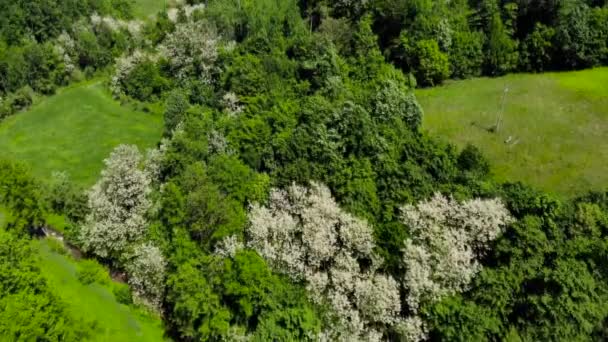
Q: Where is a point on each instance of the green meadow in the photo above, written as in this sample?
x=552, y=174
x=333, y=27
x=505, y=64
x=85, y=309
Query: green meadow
x=553, y=130
x=73, y=131
x=147, y=8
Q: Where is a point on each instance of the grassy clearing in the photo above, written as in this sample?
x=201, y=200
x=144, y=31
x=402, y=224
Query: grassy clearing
x=74, y=131
x=147, y=8
x=554, y=132
x=95, y=302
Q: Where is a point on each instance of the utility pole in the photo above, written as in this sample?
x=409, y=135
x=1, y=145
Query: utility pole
x=502, y=109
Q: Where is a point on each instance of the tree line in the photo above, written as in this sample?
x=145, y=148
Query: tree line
x=436, y=40
x=295, y=197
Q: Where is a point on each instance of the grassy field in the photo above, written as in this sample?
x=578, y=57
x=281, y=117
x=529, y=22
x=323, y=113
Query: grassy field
x=146, y=8
x=74, y=131
x=95, y=302
x=554, y=131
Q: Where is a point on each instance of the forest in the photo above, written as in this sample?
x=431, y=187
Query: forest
x=264, y=174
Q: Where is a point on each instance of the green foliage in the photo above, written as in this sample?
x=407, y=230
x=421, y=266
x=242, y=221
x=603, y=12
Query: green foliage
x=537, y=48
x=66, y=197
x=90, y=271
x=480, y=36
x=466, y=54
x=22, y=196
x=210, y=214
x=431, y=65
x=211, y=295
x=31, y=309
x=294, y=92
x=501, y=49
x=253, y=19
x=574, y=35
x=196, y=310
x=122, y=293
x=471, y=160
x=94, y=305
x=145, y=82
x=540, y=275
x=176, y=106
x=45, y=19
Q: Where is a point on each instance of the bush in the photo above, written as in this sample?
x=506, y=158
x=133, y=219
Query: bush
x=22, y=99
x=122, y=293
x=90, y=271
x=472, y=160
x=432, y=66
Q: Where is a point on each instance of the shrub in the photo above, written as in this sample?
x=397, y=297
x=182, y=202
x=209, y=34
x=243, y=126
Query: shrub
x=122, y=293
x=432, y=66
x=22, y=99
x=147, y=275
x=90, y=271
x=472, y=160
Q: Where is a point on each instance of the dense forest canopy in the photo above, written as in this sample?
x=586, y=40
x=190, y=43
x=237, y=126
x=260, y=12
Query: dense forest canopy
x=294, y=195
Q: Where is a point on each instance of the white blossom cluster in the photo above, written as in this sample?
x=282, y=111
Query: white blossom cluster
x=304, y=234
x=412, y=329
x=173, y=13
x=134, y=27
x=155, y=158
x=229, y=246
x=218, y=143
x=192, y=50
x=124, y=65
x=447, y=238
x=147, y=274
x=232, y=105
x=118, y=203
x=64, y=45
x=445, y=34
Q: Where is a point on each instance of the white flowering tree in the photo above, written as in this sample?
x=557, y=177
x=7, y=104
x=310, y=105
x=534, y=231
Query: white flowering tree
x=147, y=274
x=447, y=239
x=64, y=47
x=303, y=233
x=118, y=203
x=192, y=50
x=134, y=27
x=188, y=10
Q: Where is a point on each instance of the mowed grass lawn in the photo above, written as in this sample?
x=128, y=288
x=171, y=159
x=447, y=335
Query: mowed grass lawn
x=554, y=132
x=95, y=302
x=74, y=131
